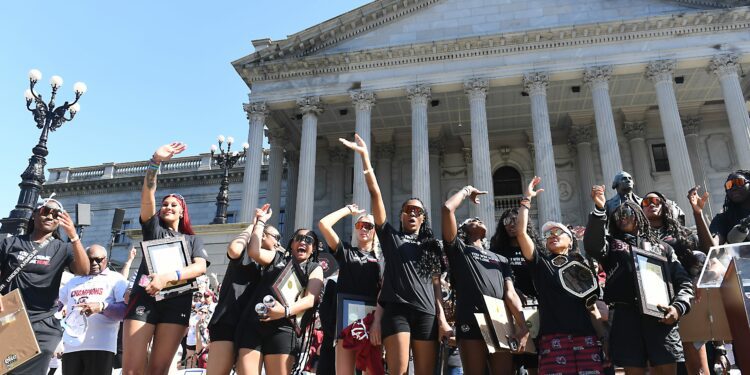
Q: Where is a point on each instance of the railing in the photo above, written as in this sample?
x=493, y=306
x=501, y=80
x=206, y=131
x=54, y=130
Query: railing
x=505, y=202
x=86, y=173
x=181, y=164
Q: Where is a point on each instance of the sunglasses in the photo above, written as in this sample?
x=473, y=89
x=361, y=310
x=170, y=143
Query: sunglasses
x=655, y=201
x=97, y=260
x=734, y=182
x=413, y=210
x=510, y=220
x=556, y=232
x=304, y=238
x=276, y=236
x=46, y=210
x=364, y=225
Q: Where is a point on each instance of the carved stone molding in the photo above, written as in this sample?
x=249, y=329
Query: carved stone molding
x=660, y=71
x=596, y=75
x=721, y=65
x=634, y=129
x=581, y=134
x=691, y=125
x=362, y=100
x=337, y=154
x=536, y=83
x=310, y=104
x=256, y=111
x=419, y=93
x=476, y=87
x=467, y=155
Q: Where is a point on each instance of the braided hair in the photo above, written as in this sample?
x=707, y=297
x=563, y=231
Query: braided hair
x=686, y=242
x=642, y=225
x=733, y=211
x=501, y=239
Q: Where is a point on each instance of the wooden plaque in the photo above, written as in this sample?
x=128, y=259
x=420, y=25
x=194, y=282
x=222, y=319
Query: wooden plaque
x=19, y=342
x=653, y=281
x=169, y=255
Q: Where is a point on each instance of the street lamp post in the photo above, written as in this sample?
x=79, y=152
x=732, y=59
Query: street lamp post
x=225, y=159
x=48, y=117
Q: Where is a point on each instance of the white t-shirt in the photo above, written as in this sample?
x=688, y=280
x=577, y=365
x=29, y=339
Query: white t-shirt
x=108, y=287
x=190, y=340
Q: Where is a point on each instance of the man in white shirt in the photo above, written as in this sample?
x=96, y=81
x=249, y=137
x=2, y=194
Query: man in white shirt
x=100, y=297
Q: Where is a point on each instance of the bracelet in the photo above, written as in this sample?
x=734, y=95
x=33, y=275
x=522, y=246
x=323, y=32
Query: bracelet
x=104, y=306
x=466, y=190
x=526, y=199
x=286, y=311
x=260, y=222
x=366, y=171
x=75, y=239
x=178, y=274
x=526, y=205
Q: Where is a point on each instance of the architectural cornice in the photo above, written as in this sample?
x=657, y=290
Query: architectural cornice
x=699, y=22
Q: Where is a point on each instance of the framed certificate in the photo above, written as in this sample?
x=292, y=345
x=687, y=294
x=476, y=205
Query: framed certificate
x=497, y=327
x=15, y=328
x=168, y=255
x=287, y=288
x=653, y=281
x=350, y=308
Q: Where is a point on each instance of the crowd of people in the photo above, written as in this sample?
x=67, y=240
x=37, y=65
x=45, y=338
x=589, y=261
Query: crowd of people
x=429, y=288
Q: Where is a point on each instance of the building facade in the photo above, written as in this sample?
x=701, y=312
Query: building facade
x=483, y=92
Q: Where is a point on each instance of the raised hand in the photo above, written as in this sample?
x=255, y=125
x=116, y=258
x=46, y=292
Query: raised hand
x=166, y=152
x=597, y=195
x=264, y=213
x=697, y=202
x=67, y=224
x=530, y=189
x=131, y=254
x=358, y=145
x=354, y=209
x=474, y=193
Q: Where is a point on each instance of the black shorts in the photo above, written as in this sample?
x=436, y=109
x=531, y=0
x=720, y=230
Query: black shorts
x=637, y=340
x=190, y=347
x=399, y=318
x=88, y=362
x=268, y=338
x=145, y=308
x=222, y=332
x=468, y=329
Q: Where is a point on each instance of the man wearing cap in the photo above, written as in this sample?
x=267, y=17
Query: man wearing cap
x=33, y=263
x=99, y=296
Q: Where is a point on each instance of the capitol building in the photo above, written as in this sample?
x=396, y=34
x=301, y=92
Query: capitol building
x=484, y=92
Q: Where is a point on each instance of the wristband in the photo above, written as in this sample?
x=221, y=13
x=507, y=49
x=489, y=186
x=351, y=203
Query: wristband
x=75, y=239
x=260, y=222
x=104, y=306
x=286, y=311
x=178, y=274
x=525, y=205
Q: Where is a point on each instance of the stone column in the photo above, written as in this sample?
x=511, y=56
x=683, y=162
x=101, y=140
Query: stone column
x=363, y=102
x=597, y=78
x=383, y=170
x=691, y=126
x=256, y=114
x=336, y=156
x=725, y=67
x=544, y=162
x=290, y=209
x=580, y=137
x=277, y=141
x=419, y=96
x=660, y=72
x=436, y=152
x=310, y=107
x=469, y=176
x=635, y=132
x=476, y=90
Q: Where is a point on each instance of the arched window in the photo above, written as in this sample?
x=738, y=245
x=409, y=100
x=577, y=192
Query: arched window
x=507, y=181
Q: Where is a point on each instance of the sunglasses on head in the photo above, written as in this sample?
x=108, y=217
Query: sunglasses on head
x=363, y=225
x=304, y=238
x=510, y=220
x=413, y=210
x=655, y=201
x=46, y=210
x=557, y=232
x=734, y=182
x=274, y=235
x=97, y=260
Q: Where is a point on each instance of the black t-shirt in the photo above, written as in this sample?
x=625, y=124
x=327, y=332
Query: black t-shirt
x=243, y=274
x=401, y=281
x=559, y=311
x=359, y=271
x=692, y=266
x=476, y=272
x=152, y=230
x=39, y=280
x=724, y=222
x=522, y=279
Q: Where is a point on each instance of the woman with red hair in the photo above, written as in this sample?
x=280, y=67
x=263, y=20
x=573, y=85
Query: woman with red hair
x=164, y=321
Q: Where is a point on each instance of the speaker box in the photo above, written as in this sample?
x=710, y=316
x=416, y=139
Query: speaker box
x=83, y=214
x=118, y=219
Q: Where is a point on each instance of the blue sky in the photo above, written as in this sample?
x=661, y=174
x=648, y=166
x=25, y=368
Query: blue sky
x=156, y=71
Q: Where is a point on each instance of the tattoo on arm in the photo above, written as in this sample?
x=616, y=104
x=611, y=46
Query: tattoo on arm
x=151, y=178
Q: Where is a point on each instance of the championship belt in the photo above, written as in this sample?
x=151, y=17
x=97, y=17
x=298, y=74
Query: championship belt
x=15, y=328
x=577, y=279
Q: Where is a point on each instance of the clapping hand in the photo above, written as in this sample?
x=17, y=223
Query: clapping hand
x=166, y=152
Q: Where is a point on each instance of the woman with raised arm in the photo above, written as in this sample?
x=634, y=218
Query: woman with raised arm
x=637, y=341
x=165, y=321
x=269, y=341
x=410, y=280
x=569, y=336
x=240, y=280
x=360, y=269
x=478, y=272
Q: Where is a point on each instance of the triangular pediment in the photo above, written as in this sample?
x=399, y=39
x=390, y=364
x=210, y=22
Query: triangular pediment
x=456, y=19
